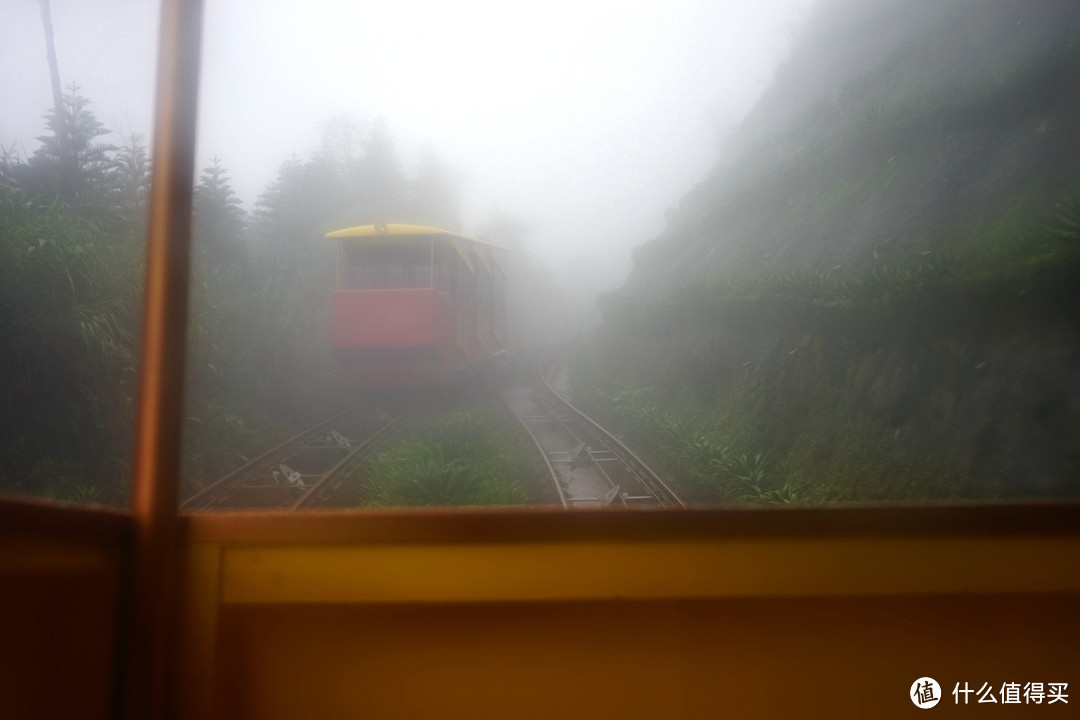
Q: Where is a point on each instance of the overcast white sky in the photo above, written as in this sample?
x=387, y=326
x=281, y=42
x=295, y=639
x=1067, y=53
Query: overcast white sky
x=586, y=119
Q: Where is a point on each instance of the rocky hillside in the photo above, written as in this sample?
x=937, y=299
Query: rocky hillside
x=876, y=296
x=893, y=128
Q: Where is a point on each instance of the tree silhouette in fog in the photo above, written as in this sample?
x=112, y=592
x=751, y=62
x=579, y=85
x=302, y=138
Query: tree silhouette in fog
x=70, y=165
x=219, y=219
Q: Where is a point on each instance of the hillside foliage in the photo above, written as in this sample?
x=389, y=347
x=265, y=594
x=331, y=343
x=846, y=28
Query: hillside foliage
x=72, y=225
x=875, y=291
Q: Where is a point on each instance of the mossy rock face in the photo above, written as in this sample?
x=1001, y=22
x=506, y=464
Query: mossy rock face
x=878, y=289
x=961, y=395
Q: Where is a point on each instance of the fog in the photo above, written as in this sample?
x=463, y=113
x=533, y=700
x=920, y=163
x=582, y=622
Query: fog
x=584, y=121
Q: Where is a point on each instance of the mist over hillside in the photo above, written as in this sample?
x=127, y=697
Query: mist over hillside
x=873, y=296
x=893, y=128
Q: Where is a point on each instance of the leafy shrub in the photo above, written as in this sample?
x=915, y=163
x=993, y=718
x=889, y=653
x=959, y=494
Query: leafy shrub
x=703, y=464
x=68, y=301
x=461, y=459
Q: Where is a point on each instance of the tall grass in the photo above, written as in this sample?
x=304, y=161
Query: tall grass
x=464, y=458
x=707, y=468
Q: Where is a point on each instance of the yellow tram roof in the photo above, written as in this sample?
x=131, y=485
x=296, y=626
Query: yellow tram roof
x=381, y=231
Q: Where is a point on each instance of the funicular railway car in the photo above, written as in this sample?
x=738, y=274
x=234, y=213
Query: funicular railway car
x=415, y=305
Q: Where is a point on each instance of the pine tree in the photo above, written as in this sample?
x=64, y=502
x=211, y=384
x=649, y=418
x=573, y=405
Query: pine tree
x=284, y=215
x=133, y=181
x=70, y=165
x=219, y=218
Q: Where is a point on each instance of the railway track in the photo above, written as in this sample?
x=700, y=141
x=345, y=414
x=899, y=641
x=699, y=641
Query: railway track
x=304, y=470
x=589, y=466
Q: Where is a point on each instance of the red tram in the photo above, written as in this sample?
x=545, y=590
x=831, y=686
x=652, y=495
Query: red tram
x=415, y=305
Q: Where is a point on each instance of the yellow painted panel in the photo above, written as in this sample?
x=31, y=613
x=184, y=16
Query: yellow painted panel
x=383, y=230
x=830, y=657
x=393, y=229
x=417, y=573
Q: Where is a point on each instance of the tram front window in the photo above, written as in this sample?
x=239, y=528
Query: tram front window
x=394, y=267
x=420, y=275
x=365, y=275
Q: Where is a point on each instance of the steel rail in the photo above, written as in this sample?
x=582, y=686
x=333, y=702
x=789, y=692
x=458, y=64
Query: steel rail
x=649, y=478
x=315, y=493
x=552, y=474
x=311, y=492
x=258, y=464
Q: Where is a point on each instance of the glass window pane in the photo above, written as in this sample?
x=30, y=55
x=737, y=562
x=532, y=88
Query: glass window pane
x=74, y=165
x=421, y=275
x=366, y=262
x=845, y=273
x=395, y=276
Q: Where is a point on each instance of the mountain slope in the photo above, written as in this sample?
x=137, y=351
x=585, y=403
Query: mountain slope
x=894, y=127
x=875, y=296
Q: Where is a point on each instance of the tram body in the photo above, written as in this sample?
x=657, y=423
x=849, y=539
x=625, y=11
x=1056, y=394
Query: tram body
x=415, y=305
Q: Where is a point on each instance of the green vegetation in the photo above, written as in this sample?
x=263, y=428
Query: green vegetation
x=72, y=224
x=875, y=295
x=935, y=379
x=1013, y=257
x=69, y=296
x=895, y=146
x=707, y=470
x=462, y=458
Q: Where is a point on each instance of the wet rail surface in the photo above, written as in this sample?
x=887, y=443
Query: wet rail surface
x=589, y=466
x=304, y=470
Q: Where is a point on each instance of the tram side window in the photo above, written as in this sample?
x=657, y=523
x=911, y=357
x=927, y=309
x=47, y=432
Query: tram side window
x=447, y=270
x=462, y=279
x=439, y=281
x=462, y=299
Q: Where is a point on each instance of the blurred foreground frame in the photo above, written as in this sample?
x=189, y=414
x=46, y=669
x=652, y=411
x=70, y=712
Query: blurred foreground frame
x=524, y=613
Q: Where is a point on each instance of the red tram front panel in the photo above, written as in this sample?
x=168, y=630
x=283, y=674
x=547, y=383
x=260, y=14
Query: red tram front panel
x=394, y=338
x=384, y=318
